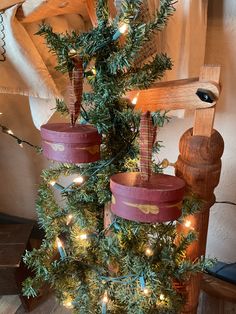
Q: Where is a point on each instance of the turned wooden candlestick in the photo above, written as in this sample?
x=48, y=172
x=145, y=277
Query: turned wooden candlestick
x=199, y=164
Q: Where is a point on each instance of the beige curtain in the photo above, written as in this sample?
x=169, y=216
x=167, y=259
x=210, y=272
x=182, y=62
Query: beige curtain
x=26, y=67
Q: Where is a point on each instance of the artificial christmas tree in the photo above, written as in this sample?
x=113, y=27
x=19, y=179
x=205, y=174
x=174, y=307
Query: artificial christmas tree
x=126, y=266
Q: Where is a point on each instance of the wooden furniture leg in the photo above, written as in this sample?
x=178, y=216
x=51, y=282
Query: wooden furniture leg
x=199, y=164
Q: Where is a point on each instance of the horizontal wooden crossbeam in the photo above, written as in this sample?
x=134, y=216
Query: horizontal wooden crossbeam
x=171, y=95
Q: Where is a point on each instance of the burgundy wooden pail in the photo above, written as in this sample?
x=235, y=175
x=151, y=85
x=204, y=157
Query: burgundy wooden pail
x=157, y=200
x=71, y=144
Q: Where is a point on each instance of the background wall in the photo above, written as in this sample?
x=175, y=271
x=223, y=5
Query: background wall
x=20, y=168
x=220, y=49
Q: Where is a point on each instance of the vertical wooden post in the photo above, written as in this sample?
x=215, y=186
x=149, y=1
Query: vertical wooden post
x=199, y=164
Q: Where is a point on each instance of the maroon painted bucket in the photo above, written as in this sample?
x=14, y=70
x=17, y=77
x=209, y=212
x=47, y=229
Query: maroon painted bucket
x=158, y=200
x=64, y=143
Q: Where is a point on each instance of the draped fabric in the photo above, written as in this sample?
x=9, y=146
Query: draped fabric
x=26, y=67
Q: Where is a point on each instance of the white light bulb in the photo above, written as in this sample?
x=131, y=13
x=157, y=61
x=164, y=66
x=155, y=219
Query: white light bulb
x=59, y=243
x=10, y=132
x=94, y=71
x=149, y=252
x=146, y=291
x=105, y=297
x=21, y=145
x=83, y=236
x=123, y=28
x=69, y=218
x=52, y=182
x=78, y=179
x=135, y=100
x=0, y=113
x=162, y=297
x=68, y=304
x=187, y=223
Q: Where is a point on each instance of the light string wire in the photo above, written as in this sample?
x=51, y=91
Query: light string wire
x=19, y=140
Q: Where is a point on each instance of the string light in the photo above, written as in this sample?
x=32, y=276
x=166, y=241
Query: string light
x=149, y=251
x=105, y=297
x=94, y=71
x=83, y=236
x=69, y=219
x=68, y=303
x=19, y=140
x=146, y=291
x=104, y=302
x=1, y=113
x=61, y=248
x=20, y=143
x=56, y=185
x=187, y=223
x=121, y=30
x=78, y=180
x=135, y=100
x=162, y=297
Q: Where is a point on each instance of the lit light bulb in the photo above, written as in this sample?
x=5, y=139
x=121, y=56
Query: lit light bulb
x=135, y=100
x=61, y=248
x=123, y=28
x=10, y=132
x=83, y=236
x=105, y=297
x=69, y=218
x=52, y=182
x=94, y=71
x=21, y=145
x=146, y=291
x=187, y=223
x=162, y=297
x=72, y=52
x=1, y=113
x=68, y=304
x=59, y=243
x=78, y=179
x=149, y=252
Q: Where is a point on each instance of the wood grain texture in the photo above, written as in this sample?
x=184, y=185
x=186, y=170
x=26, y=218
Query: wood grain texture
x=180, y=94
x=9, y=304
x=5, y=4
x=219, y=288
x=204, y=118
x=199, y=164
x=13, y=241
